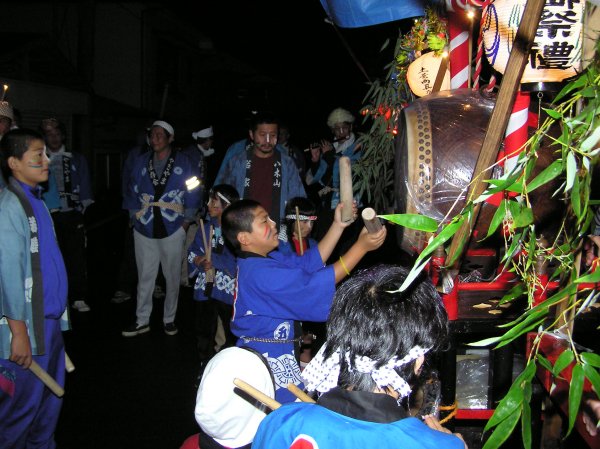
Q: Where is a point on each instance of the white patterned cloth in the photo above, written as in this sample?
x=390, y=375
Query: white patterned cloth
x=322, y=374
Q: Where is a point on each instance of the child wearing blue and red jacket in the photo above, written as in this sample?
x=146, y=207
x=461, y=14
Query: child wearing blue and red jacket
x=215, y=298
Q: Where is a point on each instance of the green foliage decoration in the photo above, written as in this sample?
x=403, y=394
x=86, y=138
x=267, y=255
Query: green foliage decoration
x=373, y=174
x=576, y=110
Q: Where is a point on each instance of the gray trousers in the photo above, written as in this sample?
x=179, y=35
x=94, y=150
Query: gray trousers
x=149, y=254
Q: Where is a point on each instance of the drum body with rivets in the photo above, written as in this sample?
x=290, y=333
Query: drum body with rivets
x=439, y=140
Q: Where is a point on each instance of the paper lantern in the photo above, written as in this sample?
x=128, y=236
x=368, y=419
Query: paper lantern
x=422, y=72
x=556, y=53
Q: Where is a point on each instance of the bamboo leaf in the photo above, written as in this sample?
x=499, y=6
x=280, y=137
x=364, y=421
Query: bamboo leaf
x=509, y=405
x=533, y=316
x=544, y=362
x=413, y=273
x=497, y=218
x=526, y=417
x=524, y=328
x=575, y=393
x=576, y=199
x=485, y=342
x=548, y=174
x=553, y=113
x=575, y=84
x=446, y=233
x=571, y=170
x=503, y=431
x=524, y=218
x=515, y=292
x=592, y=277
x=592, y=375
x=591, y=359
x=562, y=362
x=459, y=250
x=557, y=297
x=588, y=92
x=413, y=221
x=526, y=375
x=591, y=141
x=514, y=246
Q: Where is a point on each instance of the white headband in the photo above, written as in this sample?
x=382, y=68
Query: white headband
x=203, y=133
x=223, y=198
x=165, y=126
x=301, y=217
x=322, y=375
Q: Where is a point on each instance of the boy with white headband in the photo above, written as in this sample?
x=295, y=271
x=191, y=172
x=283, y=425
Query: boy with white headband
x=215, y=271
x=377, y=340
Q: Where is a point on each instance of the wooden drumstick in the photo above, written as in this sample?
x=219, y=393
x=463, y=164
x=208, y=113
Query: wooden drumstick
x=207, y=250
x=256, y=394
x=69, y=364
x=211, y=233
x=372, y=223
x=346, y=194
x=299, y=231
x=292, y=388
x=46, y=379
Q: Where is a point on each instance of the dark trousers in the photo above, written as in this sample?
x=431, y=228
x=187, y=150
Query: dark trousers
x=207, y=313
x=70, y=233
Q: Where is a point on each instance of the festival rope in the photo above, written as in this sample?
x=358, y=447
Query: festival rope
x=452, y=414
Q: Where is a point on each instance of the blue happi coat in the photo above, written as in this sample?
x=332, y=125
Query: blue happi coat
x=223, y=261
x=272, y=293
x=312, y=426
x=141, y=194
x=233, y=172
x=16, y=278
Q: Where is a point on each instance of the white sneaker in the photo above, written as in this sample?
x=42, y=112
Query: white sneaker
x=81, y=306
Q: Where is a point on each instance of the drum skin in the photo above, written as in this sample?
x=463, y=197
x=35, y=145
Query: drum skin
x=439, y=140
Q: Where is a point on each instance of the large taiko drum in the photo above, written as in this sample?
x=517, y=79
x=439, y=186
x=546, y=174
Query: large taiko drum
x=439, y=140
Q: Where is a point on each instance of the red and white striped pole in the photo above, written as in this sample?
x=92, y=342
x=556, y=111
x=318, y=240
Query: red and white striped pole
x=459, y=30
x=515, y=137
x=516, y=134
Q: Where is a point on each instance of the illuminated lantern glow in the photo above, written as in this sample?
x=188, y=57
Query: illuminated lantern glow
x=556, y=52
x=422, y=72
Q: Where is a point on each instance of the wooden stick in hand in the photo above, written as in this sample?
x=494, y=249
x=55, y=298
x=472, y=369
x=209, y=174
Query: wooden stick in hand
x=69, y=364
x=256, y=394
x=292, y=388
x=346, y=193
x=299, y=231
x=46, y=379
x=371, y=221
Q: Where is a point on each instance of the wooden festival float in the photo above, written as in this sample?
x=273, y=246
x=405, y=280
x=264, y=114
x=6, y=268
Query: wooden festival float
x=492, y=247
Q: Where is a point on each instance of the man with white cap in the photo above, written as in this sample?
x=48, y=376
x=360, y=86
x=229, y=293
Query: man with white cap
x=340, y=121
x=201, y=151
x=228, y=417
x=162, y=201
